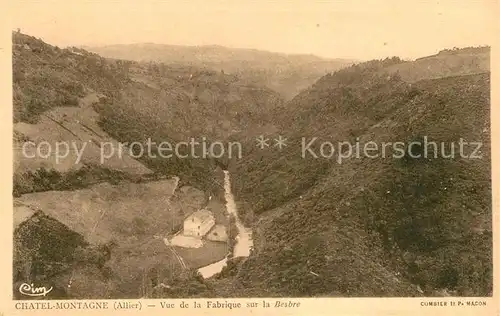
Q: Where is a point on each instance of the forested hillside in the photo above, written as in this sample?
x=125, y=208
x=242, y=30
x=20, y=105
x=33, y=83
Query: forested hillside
x=373, y=225
x=415, y=224
x=104, y=216
x=136, y=101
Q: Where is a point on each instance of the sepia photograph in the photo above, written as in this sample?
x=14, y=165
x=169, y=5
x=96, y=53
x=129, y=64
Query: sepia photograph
x=251, y=149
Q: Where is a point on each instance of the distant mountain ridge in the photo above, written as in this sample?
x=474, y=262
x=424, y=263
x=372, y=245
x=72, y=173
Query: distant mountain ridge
x=287, y=74
x=206, y=51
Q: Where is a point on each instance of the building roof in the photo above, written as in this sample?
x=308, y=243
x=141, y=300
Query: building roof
x=201, y=215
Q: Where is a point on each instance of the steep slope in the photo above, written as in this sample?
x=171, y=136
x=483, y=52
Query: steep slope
x=359, y=227
x=286, y=74
x=73, y=96
x=372, y=226
x=54, y=92
x=77, y=128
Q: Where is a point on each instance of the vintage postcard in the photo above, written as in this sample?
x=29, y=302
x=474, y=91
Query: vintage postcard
x=249, y=157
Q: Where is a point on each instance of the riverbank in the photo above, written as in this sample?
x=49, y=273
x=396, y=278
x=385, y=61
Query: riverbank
x=244, y=240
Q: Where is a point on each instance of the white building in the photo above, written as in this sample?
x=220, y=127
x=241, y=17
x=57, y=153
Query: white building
x=199, y=223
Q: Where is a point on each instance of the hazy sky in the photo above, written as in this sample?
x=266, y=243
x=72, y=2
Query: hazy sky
x=361, y=29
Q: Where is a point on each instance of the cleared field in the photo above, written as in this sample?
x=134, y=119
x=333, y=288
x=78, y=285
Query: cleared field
x=125, y=213
x=77, y=127
x=132, y=217
x=443, y=65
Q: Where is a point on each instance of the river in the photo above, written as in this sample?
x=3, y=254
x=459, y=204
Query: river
x=244, y=240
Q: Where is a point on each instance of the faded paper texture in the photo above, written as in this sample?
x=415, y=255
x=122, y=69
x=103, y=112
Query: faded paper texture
x=217, y=157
